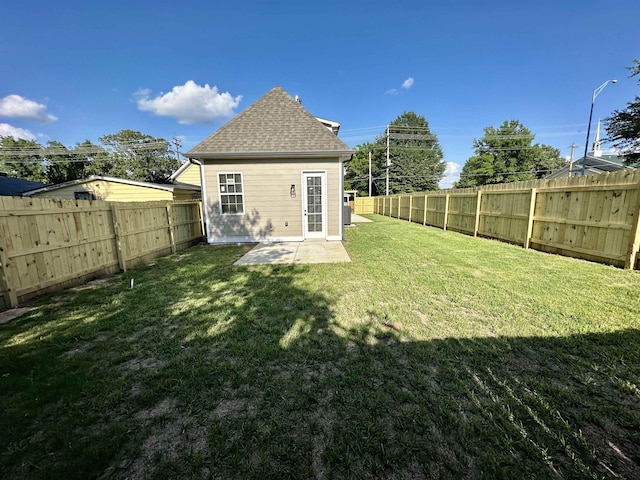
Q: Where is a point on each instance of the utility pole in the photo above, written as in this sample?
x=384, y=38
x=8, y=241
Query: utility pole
x=573, y=146
x=388, y=163
x=370, y=179
x=177, y=144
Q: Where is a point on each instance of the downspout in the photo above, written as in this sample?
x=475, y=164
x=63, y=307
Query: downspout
x=203, y=201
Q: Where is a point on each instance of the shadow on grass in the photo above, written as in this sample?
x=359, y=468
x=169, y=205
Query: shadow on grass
x=205, y=369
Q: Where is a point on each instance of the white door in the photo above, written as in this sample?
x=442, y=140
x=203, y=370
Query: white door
x=314, y=204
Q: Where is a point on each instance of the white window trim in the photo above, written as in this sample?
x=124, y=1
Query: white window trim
x=220, y=193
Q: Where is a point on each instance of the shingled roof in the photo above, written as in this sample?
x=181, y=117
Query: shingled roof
x=13, y=187
x=276, y=125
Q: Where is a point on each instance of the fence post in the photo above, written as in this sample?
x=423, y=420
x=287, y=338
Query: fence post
x=11, y=298
x=446, y=212
x=532, y=211
x=172, y=238
x=426, y=201
x=634, y=241
x=477, y=219
x=122, y=261
x=399, y=204
x=410, y=206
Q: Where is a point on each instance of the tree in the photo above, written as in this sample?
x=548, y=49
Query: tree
x=414, y=153
x=21, y=158
x=417, y=163
x=506, y=154
x=623, y=126
x=62, y=164
x=357, y=174
x=137, y=156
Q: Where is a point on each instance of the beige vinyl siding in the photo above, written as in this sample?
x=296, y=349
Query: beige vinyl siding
x=191, y=175
x=110, y=191
x=270, y=211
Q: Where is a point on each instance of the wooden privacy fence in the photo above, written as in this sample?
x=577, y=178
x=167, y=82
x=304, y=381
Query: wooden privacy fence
x=594, y=217
x=364, y=205
x=48, y=244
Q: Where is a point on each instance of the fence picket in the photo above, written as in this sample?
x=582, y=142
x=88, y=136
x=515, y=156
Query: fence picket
x=593, y=217
x=47, y=244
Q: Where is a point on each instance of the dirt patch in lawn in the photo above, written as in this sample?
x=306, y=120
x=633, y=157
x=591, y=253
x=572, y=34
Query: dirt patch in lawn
x=83, y=347
x=137, y=364
x=9, y=315
x=173, y=434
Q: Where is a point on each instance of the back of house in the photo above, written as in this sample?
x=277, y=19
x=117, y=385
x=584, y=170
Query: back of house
x=273, y=173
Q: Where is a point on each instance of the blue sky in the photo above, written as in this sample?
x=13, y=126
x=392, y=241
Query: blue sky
x=76, y=70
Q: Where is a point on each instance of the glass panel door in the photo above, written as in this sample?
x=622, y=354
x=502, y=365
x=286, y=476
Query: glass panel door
x=314, y=205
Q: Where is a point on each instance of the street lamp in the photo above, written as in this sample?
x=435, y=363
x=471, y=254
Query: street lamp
x=596, y=92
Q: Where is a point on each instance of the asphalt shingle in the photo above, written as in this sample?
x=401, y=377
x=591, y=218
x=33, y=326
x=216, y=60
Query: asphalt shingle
x=13, y=187
x=275, y=123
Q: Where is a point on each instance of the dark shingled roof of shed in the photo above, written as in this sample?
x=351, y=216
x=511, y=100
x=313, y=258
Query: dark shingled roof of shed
x=13, y=187
x=275, y=123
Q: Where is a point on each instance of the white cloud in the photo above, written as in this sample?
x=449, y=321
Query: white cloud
x=451, y=175
x=15, y=106
x=407, y=83
x=7, y=130
x=189, y=103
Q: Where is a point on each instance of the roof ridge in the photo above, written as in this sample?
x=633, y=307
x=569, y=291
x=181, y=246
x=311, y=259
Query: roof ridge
x=274, y=124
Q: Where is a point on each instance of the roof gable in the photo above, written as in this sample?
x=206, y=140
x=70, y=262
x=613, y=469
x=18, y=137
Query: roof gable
x=275, y=125
x=183, y=168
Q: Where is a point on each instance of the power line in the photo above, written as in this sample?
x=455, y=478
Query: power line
x=82, y=150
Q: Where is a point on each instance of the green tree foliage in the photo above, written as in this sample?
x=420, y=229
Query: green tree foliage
x=62, y=164
x=137, y=156
x=126, y=154
x=97, y=159
x=357, y=174
x=20, y=158
x=506, y=154
x=414, y=153
x=417, y=163
x=623, y=126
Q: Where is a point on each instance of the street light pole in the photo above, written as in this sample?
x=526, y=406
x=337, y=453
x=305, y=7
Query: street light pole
x=596, y=92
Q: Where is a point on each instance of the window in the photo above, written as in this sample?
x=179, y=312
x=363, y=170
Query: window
x=231, y=193
x=84, y=195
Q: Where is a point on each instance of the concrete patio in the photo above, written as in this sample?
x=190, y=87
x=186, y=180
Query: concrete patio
x=310, y=251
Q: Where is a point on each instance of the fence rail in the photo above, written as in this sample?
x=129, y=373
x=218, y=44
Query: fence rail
x=48, y=244
x=594, y=217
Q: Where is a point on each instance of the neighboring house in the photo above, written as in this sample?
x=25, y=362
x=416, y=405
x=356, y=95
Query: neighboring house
x=188, y=173
x=273, y=173
x=593, y=165
x=13, y=187
x=595, y=162
x=114, y=189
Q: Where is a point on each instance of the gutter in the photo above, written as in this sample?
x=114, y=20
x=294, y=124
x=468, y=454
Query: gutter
x=274, y=155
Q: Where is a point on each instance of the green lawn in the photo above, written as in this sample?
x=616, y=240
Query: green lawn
x=431, y=355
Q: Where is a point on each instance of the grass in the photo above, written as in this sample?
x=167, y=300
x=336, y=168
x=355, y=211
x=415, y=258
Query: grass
x=431, y=355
